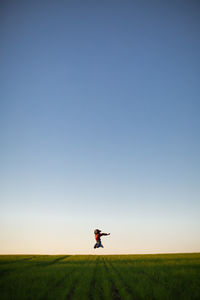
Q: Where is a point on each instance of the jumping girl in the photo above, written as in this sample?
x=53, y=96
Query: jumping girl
x=98, y=235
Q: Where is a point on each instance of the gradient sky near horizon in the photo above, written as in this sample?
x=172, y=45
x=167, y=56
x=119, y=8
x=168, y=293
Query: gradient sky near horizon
x=99, y=126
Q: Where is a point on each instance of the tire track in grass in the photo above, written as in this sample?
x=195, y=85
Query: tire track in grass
x=59, y=282
x=5, y=272
x=16, y=261
x=71, y=292
x=106, y=289
x=48, y=263
x=155, y=280
x=102, y=293
x=163, y=284
x=127, y=287
x=100, y=287
x=151, y=278
x=94, y=281
x=123, y=279
x=55, y=261
x=115, y=290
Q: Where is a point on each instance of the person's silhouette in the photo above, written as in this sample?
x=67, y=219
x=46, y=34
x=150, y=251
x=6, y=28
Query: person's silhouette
x=98, y=235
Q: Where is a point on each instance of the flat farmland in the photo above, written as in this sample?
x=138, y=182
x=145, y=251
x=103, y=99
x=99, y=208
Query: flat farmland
x=162, y=276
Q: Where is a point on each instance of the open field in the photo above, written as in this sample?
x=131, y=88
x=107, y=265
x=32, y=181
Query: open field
x=164, y=276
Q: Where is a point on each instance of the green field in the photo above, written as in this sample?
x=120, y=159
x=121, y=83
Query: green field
x=163, y=276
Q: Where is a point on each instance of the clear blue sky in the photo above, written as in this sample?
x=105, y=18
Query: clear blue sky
x=100, y=127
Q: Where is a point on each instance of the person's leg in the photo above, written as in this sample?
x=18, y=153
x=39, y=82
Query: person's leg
x=99, y=244
x=95, y=246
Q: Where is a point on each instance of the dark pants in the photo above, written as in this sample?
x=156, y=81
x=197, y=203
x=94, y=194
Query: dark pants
x=98, y=244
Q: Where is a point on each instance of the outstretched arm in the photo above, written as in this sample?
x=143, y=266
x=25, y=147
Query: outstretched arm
x=105, y=234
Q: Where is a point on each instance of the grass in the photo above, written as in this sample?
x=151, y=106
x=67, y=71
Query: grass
x=163, y=276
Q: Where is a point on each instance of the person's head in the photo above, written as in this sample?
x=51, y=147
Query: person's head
x=97, y=231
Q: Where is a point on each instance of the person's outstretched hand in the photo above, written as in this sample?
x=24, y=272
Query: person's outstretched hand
x=108, y=233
